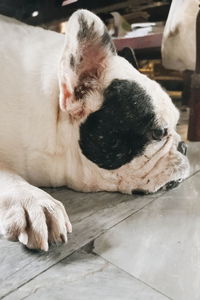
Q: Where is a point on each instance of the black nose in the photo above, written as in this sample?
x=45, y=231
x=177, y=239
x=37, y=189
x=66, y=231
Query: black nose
x=159, y=133
x=182, y=147
x=140, y=192
x=172, y=184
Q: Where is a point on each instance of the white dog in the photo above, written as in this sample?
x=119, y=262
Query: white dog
x=72, y=112
x=179, y=37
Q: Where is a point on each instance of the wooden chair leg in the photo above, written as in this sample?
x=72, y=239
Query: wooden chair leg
x=194, y=121
x=186, y=94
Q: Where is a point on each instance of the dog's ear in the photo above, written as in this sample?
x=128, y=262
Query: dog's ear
x=87, y=49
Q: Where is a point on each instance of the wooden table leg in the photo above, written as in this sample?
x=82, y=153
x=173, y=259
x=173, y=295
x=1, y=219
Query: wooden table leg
x=186, y=94
x=194, y=121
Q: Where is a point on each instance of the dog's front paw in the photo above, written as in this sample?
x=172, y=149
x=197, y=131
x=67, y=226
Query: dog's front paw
x=34, y=218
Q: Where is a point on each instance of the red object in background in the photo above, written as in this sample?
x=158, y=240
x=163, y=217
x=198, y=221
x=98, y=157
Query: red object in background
x=152, y=40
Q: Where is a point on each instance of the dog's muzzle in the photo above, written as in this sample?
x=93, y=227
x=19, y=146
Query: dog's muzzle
x=182, y=148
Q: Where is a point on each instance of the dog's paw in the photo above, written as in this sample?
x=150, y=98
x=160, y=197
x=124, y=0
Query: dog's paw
x=34, y=218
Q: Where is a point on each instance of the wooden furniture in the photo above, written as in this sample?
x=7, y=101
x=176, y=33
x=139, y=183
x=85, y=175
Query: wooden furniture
x=194, y=122
x=145, y=47
x=151, y=41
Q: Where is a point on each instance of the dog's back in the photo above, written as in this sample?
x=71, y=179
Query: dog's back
x=29, y=59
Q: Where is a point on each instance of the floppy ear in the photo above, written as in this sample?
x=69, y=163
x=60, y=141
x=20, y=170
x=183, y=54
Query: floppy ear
x=87, y=49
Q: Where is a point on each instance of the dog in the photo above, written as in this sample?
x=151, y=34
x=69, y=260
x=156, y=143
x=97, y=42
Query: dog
x=74, y=113
x=180, y=26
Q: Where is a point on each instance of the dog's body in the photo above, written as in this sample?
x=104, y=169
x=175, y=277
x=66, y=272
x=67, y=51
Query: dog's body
x=180, y=26
x=32, y=124
x=66, y=119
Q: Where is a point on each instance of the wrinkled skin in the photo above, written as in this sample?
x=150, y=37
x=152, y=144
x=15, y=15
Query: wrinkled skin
x=74, y=113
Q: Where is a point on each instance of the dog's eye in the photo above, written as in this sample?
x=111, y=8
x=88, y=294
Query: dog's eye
x=159, y=133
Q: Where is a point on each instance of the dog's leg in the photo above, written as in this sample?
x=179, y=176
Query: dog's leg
x=29, y=214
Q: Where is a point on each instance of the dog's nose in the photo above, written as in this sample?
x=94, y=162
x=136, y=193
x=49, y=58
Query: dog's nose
x=159, y=133
x=140, y=192
x=172, y=184
x=182, y=147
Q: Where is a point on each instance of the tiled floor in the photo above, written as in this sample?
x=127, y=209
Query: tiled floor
x=160, y=245
x=122, y=247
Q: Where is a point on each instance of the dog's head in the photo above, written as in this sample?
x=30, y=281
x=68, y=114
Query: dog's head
x=126, y=121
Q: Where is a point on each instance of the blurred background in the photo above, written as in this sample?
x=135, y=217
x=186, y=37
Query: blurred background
x=135, y=25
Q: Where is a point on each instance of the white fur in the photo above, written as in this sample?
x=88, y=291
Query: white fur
x=179, y=37
x=39, y=139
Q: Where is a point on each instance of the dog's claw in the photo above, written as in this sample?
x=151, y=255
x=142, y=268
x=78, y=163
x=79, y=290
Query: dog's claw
x=23, y=238
x=69, y=226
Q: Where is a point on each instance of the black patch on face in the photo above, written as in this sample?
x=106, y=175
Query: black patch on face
x=72, y=61
x=121, y=129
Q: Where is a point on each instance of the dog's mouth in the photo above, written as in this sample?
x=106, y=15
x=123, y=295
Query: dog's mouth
x=182, y=148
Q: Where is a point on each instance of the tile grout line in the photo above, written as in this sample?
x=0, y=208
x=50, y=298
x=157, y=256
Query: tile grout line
x=149, y=203
x=141, y=208
x=138, y=279
x=135, y=212
x=193, y=174
x=92, y=240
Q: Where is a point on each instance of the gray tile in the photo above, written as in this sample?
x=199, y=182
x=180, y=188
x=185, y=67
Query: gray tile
x=85, y=276
x=194, y=156
x=160, y=244
x=91, y=214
